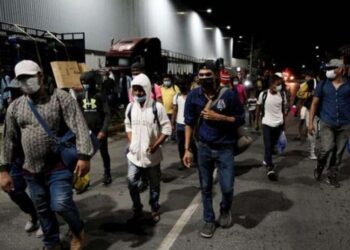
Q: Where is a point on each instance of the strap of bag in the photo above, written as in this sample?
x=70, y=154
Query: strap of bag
x=41, y=120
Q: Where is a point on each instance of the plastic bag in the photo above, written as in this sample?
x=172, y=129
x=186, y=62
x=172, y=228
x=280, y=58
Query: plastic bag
x=282, y=143
x=80, y=184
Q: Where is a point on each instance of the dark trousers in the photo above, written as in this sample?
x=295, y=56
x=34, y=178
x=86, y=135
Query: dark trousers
x=105, y=155
x=251, y=117
x=19, y=195
x=180, y=137
x=271, y=135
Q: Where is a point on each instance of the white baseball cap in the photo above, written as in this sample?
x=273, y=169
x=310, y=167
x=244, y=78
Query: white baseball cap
x=27, y=67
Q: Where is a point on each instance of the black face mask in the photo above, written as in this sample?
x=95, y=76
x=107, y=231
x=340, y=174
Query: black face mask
x=207, y=83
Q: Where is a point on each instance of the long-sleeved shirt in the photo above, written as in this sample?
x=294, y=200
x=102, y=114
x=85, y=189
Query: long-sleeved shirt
x=214, y=132
x=96, y=111
x=59, y=111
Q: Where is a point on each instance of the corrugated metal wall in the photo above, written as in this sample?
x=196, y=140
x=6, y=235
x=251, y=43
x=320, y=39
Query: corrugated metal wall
x=101, y=20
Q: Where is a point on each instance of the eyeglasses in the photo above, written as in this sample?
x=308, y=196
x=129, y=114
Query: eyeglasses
x=205, y=74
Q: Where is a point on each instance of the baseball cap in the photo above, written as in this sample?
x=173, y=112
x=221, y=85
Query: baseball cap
x=26, y=67
x=335, y=63
x=225, y=76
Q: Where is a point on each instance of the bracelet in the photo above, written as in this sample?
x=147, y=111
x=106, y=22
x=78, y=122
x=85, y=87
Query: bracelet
x=188, y=149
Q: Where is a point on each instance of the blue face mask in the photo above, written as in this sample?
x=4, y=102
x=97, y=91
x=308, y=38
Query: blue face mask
x=86, y=86
x=140, y=99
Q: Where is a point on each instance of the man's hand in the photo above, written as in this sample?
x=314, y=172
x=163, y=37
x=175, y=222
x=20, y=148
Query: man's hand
x=211, y=115
x=152, y=148
x=101, y=135
x=82, y=168
x=6, y=182
x=187, y=159
x=311, y=129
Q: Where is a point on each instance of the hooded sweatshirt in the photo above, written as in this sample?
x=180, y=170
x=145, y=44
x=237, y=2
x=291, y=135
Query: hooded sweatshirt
x=143, y=127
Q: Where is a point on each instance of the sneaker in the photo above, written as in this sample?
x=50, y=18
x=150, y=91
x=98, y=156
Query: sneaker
x=155, y=217
x=225, y=219
x=39, y=233
x=318, y=173
x=208, y=230
x=271, y=174
x=107, y=179
x=333, y=181
x=312, y=156
x=56, y=247
x=77, y=242
x=31, y=226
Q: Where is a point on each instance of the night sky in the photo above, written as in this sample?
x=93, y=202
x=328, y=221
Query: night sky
x=288, y=31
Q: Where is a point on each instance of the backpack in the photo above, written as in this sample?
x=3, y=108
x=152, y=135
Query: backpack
x=264, y=97
x=155, y=113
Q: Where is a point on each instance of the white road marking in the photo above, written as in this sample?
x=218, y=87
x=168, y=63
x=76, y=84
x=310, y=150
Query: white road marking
x=174, y=233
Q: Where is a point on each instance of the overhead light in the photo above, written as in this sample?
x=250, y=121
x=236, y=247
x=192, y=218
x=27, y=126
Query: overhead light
x=317, y=47
x=209, y=11
x=240, y=37
x=181, y=13
x=303, y=66
x=228, y=27
x=208, y=28
x=317, y=56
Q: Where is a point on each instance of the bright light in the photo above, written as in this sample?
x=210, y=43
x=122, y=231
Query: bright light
x=228, y=27
x=238, y=69
x=181, y=13
x=317, y=47
x=274, y=64
x=247, y=83
x=240, y=37
x=208, y=28
x=209, y=11
x=303, y=66
x=317, y=56
x=291, y=78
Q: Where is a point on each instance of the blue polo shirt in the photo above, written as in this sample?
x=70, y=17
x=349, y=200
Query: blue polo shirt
x=334, y=103
x=214, y=132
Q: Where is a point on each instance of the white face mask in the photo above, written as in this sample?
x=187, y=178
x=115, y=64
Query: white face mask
x=235, y=83
x=30, y=85
x=330, y=74
x=279, y=88
x=167, y=83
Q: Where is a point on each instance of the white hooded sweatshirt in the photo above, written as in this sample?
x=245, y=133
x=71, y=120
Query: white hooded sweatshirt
x=144, y=130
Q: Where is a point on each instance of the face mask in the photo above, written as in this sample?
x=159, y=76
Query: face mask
x=30, y=85
x=235, y=83
x=86, y=86
x=207, y=83
x=140, y=99
x=330, y=74
x=279, y=88
x=167, y=83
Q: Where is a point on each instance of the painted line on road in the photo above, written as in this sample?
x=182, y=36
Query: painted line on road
x=174, y=233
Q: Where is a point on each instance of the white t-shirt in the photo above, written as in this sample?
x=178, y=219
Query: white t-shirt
x=180, y=101
x=273, y=109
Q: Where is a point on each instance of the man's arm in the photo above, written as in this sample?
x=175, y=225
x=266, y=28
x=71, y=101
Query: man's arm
x=107, y=116
x=313, y=109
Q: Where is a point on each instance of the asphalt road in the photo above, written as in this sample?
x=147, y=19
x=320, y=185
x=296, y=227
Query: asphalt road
x=294, y=213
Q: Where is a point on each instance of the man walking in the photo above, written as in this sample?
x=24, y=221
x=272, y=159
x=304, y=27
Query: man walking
x=48, y=180
x=213, y=114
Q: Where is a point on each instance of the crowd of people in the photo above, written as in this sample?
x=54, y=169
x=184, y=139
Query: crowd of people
x=202, y=115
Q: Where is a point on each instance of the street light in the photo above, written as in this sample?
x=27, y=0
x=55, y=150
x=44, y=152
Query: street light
x=228, y=27
x=317, y=47
x=209, y=11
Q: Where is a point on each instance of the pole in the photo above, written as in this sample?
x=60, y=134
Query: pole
x=251, y=54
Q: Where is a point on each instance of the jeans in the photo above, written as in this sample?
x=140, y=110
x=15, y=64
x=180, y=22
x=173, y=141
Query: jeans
x=153, y=174
x=105, y=155
x=180, y=136
x=52, y=193
x=271, y=135
x=223, y=158
x=19, y=195
x=251, y=117
x=331, y=143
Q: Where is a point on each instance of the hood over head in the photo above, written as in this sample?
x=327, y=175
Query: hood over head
x=143, y=81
